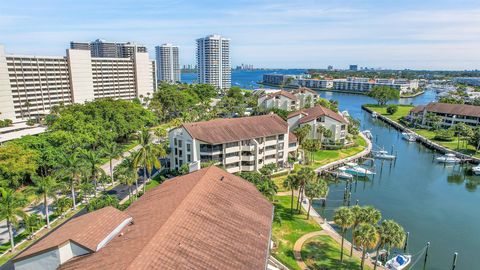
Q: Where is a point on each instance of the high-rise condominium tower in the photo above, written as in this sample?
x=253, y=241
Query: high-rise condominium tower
x=102, y=48
x=213, y=61
x=168, y=67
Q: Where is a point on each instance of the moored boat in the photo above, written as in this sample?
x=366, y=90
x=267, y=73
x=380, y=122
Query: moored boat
x=476, y=170
x=355, y=169
x=409, y=136
x=382, y=154
x=374, y=114
x=399, y=262
x=448, y=158
x=368, y=134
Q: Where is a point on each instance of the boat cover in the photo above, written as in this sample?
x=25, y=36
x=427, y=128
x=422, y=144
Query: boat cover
x=400, y=260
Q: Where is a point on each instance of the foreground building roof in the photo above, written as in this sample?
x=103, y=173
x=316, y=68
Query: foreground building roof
x=226, y=130
x=208, y=219
x=315, y=112
x=90, y=231
x=458, y=109
x=281, y=93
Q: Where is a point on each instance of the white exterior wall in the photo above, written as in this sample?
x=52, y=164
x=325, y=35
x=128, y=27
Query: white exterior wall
x=7, y=108
x=81, y=78
x=168, y=67
x=255, y=146
x=143, y=74
x=213, y=61
x=279, y=102
x=45, y=261
x=329, y=123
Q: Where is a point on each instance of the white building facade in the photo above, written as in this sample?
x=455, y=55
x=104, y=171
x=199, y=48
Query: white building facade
x=237, y=144
x=168, y=66
x=213, y=61
x=31, y=85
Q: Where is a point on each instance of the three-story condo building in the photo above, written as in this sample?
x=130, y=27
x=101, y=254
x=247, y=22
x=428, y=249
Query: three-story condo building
x=238, y=144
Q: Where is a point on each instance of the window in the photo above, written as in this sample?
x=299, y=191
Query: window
x=175, y=141
x=180, y=163
x=232, y=144
x=189, y=147
x=280, y=137
x=176, y=161
x=343, y=127
x=189, y=158
x=234, y=154
x=176, y=151
x=180, y=152
x=271, y=138
x=179, y=143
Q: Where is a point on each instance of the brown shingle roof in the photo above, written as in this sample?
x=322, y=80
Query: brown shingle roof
x=282, y=93
x=417, y=109
x=303, y=90
x=208, y=219
x=292, y=138
x=236, y=129
x=459, y=109
x=87, y=230
x=315, y=112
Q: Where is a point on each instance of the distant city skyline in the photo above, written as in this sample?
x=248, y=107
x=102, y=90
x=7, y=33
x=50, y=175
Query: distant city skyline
x=443, y=34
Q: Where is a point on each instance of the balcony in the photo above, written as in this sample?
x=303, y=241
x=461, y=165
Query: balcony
x=270, y=152
x=229, y=160
x=249, y=147
x=248, y=167
x=232, y=149
x=248, y=158
x=271, y=142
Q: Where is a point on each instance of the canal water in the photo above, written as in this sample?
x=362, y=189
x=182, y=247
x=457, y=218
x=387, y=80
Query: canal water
x=434, y=202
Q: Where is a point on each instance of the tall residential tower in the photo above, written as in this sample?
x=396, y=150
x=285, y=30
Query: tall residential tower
x=102, y=48
x=213, y=61
x=168, y=67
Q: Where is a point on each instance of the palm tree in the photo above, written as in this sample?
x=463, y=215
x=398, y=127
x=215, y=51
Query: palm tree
x=344, y=218
x=320, y=131
x=366, y=236
x=93, y=161
x=126, y=173
x=72, y=166
x=146, y=156
x=358, y=217
x=391, y=235
x=45, y=188
x=304, y=175
x=62, y=205
x=32, y=223
x=291, y=182
x=315, y=189
x=112, y=150
x=11, y=207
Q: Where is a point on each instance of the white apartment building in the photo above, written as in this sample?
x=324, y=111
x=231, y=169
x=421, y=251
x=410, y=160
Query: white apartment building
x=168, y=67
x=213, y=61
x=288, y=100
x=320, y=116
x=314, y=83
x=365, y=85
x=238, y=144
x=31, y=85
x=102, y=48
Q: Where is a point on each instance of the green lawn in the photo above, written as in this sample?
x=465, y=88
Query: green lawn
x=289, y=230
x=468, y=150
x=322, y=252
x=403, y=110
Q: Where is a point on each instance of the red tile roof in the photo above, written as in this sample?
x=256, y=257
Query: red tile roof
x=315, y=112
x=208, y=219
x=87, y=231
x=282, y=93
x=458, y=109
x=226, y=130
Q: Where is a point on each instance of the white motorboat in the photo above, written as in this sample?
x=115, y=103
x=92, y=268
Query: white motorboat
x=344, y=175
x=382, y=154
x=399, y=262
x=355, y=169
x=411, y=137
x=476, y=170
x=368, y=134
x=374, y=114
x=448, y=158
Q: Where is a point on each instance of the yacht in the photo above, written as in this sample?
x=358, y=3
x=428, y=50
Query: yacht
x=399, y=262
x=476, y=170
x=382, y=154
x=448, y=158
x=355, y=169
x=409, y=136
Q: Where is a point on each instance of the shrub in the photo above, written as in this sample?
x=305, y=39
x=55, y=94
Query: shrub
x=391, y=109
x=444, y=135
x=5, y=123
x=31, y=122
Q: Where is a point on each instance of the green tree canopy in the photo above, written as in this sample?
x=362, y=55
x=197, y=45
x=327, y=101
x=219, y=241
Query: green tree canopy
x=383, y=94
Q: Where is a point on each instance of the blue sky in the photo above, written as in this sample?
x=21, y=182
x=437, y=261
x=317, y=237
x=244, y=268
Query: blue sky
x=416, y=34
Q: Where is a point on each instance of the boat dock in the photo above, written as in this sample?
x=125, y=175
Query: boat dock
x=426, y=142
x=339, y=163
